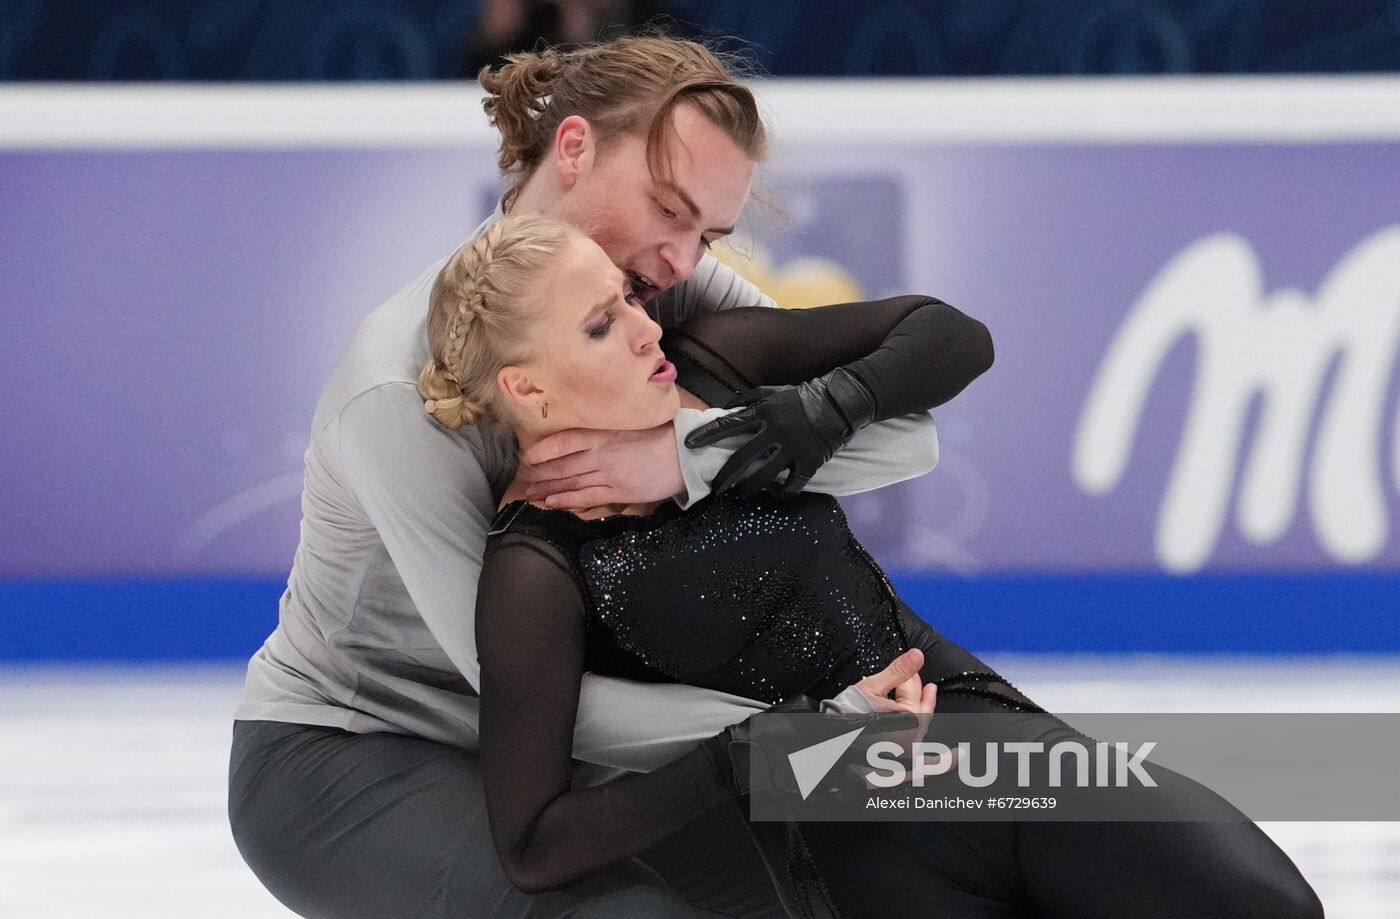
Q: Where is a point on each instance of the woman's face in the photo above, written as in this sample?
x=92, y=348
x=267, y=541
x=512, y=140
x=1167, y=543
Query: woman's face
x=596, y=357
x=653, y=231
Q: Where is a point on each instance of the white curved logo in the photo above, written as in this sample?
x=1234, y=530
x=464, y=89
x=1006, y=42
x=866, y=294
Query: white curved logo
x=1279, y=348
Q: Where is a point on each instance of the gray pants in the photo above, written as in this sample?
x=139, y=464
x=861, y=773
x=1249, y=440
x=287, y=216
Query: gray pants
x=347, y=825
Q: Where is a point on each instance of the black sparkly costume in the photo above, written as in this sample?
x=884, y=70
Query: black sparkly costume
x=774, y=596
x=766, y=598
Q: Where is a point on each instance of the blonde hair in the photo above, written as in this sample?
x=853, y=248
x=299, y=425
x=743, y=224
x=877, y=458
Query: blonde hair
x=627, y=85
x=478, y=316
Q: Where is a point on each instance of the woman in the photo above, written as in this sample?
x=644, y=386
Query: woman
x=532, y=329
x=355, y=786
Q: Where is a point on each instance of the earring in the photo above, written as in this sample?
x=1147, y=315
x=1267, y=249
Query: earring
x=544, y=410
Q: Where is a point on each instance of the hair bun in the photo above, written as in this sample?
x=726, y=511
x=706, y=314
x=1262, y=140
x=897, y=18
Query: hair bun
x=444, y=400
x=516, y=98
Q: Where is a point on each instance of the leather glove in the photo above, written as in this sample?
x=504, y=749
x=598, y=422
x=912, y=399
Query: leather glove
x=745, y=766
x=793, y=429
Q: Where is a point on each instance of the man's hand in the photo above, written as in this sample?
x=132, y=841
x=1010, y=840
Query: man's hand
x=745, y=766
x=583, y=468
x=910, y=694
x=900, y=678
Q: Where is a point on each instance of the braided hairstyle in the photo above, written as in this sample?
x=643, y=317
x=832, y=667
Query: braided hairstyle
x=478, y=316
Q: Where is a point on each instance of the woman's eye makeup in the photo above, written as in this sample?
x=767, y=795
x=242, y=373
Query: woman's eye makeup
x=601, y=329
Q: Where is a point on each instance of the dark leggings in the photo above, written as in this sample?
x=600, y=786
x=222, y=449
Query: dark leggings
x=1064, y=870
x=1160, y=870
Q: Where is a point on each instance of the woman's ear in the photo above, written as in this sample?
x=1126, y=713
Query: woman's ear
x=520, y=389
x=574, y=148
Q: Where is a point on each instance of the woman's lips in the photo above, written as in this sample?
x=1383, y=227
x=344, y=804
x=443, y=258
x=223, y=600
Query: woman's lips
x=666, y=373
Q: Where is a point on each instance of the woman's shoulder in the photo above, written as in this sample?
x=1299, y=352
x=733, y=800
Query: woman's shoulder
x=565, y=532
x=524, y=535
x=521, y=521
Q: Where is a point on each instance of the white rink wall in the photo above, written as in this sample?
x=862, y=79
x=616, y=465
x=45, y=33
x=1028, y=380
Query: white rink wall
x=113, y=781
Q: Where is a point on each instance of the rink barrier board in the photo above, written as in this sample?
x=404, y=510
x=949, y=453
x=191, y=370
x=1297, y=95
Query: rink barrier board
x=1284, y=109
x=151, y=620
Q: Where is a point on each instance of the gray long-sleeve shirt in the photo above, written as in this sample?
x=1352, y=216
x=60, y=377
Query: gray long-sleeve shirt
x=376, y=630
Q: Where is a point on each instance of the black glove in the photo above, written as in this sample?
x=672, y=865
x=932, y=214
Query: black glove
x=794, y=429
x=744, y=766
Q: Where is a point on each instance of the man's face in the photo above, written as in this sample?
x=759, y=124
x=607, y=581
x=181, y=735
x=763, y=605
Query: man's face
x=656, y=232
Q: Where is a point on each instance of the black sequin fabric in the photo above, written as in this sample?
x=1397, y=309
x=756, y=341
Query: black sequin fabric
x=761, y=597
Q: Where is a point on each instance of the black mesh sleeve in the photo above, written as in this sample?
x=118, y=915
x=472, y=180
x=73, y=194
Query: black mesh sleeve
x=914, y=353
x=530, y=639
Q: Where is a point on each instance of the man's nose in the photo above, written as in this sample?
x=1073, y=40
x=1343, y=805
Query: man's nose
x=680, y=260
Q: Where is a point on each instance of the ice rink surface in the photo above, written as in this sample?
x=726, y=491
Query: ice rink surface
x=112, y=780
